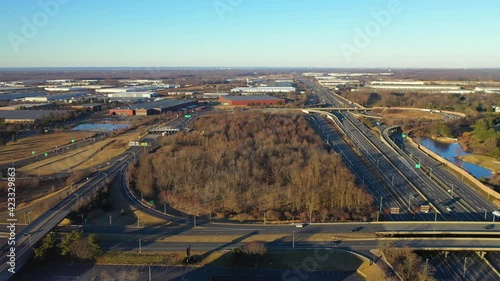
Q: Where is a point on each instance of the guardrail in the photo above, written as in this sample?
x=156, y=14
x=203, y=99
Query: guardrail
x=483, y=187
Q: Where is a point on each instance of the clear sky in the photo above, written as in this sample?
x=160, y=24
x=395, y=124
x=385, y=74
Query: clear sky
x=232, y=33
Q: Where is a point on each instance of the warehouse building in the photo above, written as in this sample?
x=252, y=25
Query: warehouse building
x=253, y=90
x=250, y=100
x=131, y=95
x=415, y=87
x=153, y=108
x=27, y=116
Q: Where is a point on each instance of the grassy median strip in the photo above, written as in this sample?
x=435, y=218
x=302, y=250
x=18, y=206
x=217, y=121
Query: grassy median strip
x=324, y=259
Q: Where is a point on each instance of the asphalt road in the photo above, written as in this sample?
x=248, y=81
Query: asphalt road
x=407, y=185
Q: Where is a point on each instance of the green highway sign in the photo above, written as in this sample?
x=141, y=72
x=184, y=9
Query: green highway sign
x=46, y=154
x=152, y=202
x=404, y=135
x=418, y=166
x=187, y=116
x=72, y=140
x=33, y=152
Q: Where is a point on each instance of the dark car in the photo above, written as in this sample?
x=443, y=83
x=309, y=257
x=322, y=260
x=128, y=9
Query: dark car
x=356, y=229
x=489, y=226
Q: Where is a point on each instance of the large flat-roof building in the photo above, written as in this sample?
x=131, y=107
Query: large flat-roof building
x=153, y=108
x=130, y=95
x=402, y=87
x=253, y=90
x=28, y=116
x=250, y=100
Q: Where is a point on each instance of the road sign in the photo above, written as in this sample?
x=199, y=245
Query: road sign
x=395, y=210
x=425, y=208
x=403, y=135
x=46, y=154
x=33, y=152
x=418, y=166
x=72, y=140
x=187, y=116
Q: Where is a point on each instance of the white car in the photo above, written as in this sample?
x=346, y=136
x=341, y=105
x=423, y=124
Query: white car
x=448, y=209
x=299, y=225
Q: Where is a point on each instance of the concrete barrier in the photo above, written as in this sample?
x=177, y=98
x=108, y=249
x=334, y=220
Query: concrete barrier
x=489, y=191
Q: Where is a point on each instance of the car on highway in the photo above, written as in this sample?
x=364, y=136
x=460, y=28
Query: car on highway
x=300, y=225
x=489, y=226
x=335, y=243
x=356, y=229
x=448, y=209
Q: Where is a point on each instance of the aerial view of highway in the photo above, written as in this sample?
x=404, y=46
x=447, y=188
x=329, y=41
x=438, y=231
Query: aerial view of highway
x=249, y=140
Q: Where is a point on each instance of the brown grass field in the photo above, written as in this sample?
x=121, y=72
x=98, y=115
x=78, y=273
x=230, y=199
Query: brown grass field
x=39, y=143
x=411, y=115
x=84, y=157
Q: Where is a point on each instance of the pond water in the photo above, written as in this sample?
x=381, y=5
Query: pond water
x=452, y=150
x=101, y=127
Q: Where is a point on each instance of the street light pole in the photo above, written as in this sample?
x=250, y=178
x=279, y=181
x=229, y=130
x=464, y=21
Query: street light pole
x=293, y=240
x=465, y=265
x=149, y=272
x=29, y=218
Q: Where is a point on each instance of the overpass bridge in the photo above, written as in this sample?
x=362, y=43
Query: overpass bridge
x=164, y=130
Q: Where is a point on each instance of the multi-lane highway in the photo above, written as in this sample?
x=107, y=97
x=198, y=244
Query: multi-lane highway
x=408, y=184
x=459, y=192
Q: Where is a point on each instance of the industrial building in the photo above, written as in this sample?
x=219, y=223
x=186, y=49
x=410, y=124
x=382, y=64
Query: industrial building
x=130, y=95
x=253, y=90
x=213, y=95
x=27, y=116
x=487, y=90
x=153, y=108
x=250, y=100
x=397, y=83
x=89, y=106
x=415, y=87
x=25, y=106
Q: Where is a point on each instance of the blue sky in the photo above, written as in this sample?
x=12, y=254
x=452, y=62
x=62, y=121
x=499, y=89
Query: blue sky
x=232, y=33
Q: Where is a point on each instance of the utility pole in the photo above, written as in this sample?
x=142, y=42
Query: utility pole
x=140, y=246
x=293, y=240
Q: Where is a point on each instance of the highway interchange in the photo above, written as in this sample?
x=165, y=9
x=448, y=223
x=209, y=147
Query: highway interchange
x=390, y=177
